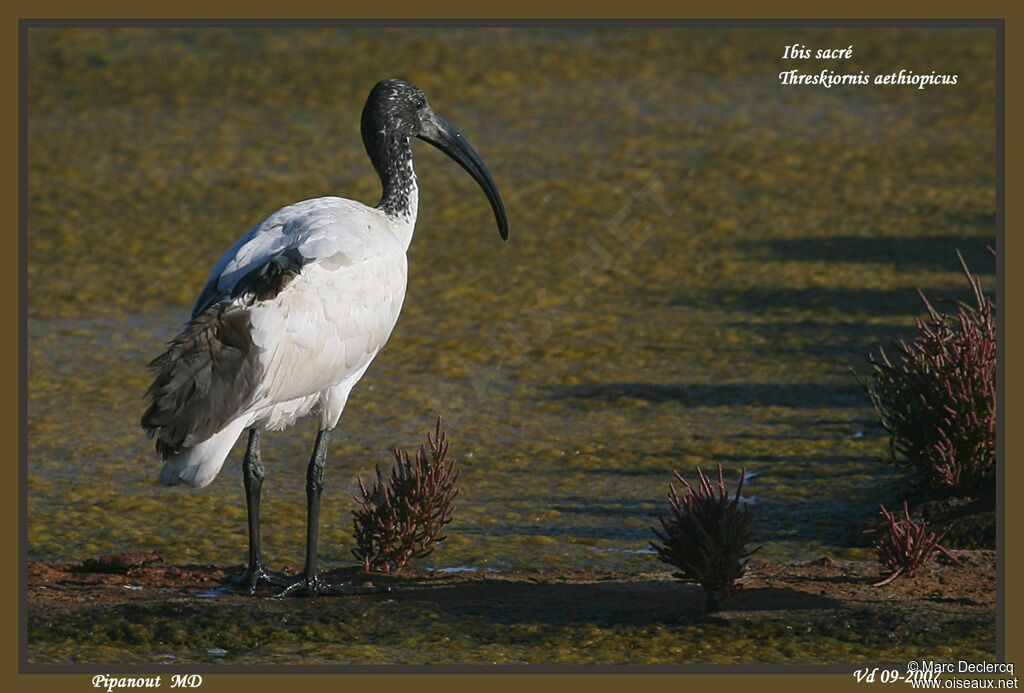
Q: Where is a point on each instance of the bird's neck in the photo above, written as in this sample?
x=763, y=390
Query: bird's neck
x=400, y=200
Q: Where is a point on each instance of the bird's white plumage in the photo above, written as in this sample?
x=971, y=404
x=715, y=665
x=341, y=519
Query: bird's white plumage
x=336, y=314
x=338, y=319
x=198, y=466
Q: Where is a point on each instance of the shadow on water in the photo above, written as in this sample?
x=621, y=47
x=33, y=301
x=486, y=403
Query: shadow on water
x=854, y=302
x=610, y=530
x=838, y=346
x=924, y=252
x=801, y=395
x=769, y=460
x=844, y=325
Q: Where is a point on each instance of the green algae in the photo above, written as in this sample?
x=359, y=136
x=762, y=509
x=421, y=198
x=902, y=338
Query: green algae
x=697, y=259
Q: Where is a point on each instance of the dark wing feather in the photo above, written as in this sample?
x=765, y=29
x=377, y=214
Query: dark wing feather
x=204, y=380
x=261, y=284
x=209, y=372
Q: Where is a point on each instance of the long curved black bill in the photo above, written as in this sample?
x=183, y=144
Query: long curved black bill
x=448, y=140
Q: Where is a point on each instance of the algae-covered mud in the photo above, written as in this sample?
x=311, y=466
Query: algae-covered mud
x=698, y=258
x=821, y=613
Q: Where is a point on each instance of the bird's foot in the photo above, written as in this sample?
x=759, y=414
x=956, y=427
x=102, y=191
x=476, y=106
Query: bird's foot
x=254, y=576
x=306, y=586
x=311, y=586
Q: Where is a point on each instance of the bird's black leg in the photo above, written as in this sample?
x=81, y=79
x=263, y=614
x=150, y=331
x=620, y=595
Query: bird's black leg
x=310, y=583
x=252, y=474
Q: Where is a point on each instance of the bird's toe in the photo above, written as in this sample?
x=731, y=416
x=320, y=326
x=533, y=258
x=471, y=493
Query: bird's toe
x=316, y=585
x=306, y=586
x=254, y=577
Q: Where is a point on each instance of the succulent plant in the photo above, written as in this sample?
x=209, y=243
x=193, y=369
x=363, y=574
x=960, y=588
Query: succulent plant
x=401, y=517
x=937, y=397
x=904, y=546
x=706, y=536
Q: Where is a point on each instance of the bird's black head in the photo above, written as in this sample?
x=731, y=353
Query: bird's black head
x=394, y=108
x=395, y=111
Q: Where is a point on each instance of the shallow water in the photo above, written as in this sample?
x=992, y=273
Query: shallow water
x=698, y=257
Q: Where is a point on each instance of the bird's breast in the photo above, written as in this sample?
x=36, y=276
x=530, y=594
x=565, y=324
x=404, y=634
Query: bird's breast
x=327, y=325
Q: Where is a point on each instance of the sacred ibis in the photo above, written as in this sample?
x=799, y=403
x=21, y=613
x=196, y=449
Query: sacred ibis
x=291, y=316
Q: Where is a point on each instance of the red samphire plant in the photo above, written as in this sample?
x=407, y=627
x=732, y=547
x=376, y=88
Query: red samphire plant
x=904, y=546
x=706, y=536
x=937, y=397
x=401, y=518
